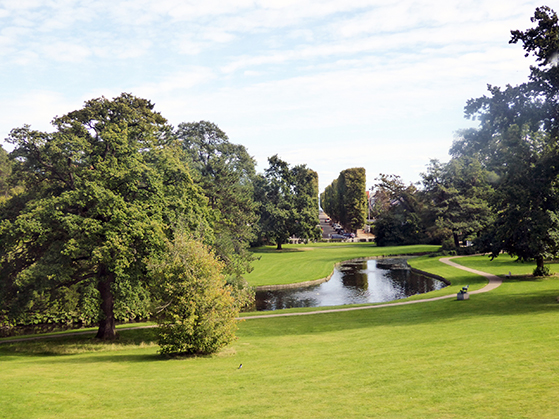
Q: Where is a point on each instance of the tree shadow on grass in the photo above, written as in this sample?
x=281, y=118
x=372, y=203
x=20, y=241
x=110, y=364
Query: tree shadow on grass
x=55, y=354
x=62, y=346
x=85, y=349
x=258, y=250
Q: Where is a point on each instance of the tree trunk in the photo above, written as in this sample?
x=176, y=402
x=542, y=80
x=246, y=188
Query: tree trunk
x=107, y=326
x=456, y=241
x=279, y=246
x=539, y=262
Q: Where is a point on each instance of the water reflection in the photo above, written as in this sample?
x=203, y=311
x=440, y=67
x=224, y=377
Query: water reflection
x=355, y=282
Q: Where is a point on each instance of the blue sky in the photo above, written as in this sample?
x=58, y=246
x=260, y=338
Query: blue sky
x=331, y=84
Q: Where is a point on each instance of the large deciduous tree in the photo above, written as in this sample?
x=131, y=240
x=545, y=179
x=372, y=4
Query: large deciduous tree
x=225, y=173
x=399, y=214
x=518, y=139
x=457, y=194
x=103, y=194
x=288, y=199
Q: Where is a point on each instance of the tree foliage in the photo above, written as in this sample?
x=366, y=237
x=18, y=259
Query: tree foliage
x=398, y=213
x=103, y=193
x=5, y=172
x=457, y=194
x=288, y=199
x=518, y=140
x=197, y=311
x=225, y=173
x=345, y=199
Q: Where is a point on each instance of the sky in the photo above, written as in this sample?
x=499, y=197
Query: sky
x=331, y=84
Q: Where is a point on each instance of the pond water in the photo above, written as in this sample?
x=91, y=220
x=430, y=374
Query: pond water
x=355, y=282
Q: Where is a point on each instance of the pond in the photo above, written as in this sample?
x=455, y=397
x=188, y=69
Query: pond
x=354, y=282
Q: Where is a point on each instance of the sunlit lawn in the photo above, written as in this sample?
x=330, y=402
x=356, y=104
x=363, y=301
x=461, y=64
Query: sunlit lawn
x=299, y=263
x=493, y=356
x=503, y=265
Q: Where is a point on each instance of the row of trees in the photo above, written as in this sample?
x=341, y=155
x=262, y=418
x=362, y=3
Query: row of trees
x=501, y=186
x=345, y=199
x=116, y=216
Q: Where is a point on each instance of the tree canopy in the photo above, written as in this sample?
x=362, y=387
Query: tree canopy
x=518, y=140
x=457, y=195
x=197, y=311
x=288, y=202
x=225, y=172
x=345, y=199
x=5, y=172
x=398, y=211
x=103, y=194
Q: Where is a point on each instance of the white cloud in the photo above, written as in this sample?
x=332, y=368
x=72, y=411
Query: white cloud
x=329, y=83
x=176, y=82
x=66, y=51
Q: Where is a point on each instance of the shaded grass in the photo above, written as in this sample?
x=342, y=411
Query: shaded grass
x=299, y=263
x=63, y=343
x=82, y=331
x=493, y=356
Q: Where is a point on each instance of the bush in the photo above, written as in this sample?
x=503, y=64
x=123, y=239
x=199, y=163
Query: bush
x=541, y=271
x=197, y=313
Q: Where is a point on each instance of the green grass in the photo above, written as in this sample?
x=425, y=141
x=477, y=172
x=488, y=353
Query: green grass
x=299, y=263
x=502, y=265
x=493, y=356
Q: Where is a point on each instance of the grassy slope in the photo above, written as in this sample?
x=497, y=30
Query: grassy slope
x=299, y=263
x=493, y=356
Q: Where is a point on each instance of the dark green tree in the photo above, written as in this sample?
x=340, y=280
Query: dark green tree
x=331, y=202
x=225, y=172
x=352, y=189
x=345, y=199
x=399, y=218
x=458, y=195
x=103, y=194
x=288, y=199
x=518, y=140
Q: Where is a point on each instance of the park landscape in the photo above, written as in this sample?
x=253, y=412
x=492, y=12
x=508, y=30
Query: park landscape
x=494, y=355
x=130, y=251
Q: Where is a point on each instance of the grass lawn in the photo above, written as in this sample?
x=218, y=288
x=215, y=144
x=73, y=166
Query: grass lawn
x=493, y=356
x=503, y=264
x=299, y=263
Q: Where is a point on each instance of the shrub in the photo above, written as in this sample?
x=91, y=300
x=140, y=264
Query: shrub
x=197, y=313
x=541, y=271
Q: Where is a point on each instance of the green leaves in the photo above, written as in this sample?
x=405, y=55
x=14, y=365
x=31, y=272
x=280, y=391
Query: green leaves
x=197, y=312
x=345, y=199
x=103, y=194
x=517, y=140
x=225, y=173
x=288, y=199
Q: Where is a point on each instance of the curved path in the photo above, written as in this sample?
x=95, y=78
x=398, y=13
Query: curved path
x=494, y=282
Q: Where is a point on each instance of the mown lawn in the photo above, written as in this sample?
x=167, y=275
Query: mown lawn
x=493, y=356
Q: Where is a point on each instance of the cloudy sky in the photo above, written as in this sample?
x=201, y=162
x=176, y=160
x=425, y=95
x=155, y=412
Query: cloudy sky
x=332, y=84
